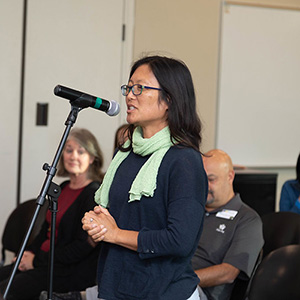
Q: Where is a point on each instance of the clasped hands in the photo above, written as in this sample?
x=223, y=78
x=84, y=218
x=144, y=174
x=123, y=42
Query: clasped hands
x=100, y=225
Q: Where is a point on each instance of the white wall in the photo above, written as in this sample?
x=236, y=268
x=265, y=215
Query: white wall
x=69, y=43
x=10, y=73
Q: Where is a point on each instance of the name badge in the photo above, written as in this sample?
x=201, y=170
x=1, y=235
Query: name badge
x=227, y=214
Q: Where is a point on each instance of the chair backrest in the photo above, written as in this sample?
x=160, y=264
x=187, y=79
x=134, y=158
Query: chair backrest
x=278, y=275
x=280, y=229
x=17, y=226
x=241, y=287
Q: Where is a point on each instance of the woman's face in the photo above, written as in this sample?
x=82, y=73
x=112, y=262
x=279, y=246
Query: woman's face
x=145, y=110
x=76, y=159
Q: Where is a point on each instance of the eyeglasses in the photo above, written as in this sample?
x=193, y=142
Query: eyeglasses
x=136, y=89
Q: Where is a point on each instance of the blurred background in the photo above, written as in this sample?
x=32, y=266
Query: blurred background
x=90, y=46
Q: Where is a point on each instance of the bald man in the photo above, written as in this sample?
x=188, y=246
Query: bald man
x=232, y=232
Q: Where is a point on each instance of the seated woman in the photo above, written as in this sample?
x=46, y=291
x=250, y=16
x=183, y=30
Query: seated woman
x=75, y=260
x=290, y=193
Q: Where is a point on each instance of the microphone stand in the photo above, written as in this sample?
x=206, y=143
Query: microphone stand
x=51, y=190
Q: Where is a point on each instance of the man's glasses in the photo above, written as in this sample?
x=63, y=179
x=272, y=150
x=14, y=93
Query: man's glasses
x=136, y=89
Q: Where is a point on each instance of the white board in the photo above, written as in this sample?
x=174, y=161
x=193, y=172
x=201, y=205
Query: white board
x=258, y=117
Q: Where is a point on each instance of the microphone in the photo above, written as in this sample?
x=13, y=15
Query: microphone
x=80, y=99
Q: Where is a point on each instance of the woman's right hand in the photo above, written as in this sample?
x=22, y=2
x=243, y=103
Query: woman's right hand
x=101, y=226
x=92, y=226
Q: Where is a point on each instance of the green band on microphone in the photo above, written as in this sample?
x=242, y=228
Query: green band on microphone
x=98, y=103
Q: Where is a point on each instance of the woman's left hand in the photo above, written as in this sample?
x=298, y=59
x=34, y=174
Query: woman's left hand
x=100, y=225
x=26, y=262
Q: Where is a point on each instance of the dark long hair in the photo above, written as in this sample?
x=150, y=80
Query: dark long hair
x=177, y=86
x=120, y=136
x=298, y=168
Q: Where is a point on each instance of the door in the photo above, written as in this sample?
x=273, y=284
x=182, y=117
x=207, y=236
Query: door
x=77, y=45
x=74, y=43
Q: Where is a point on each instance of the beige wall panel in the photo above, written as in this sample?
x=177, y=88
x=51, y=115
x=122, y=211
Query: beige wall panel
x=187, y=30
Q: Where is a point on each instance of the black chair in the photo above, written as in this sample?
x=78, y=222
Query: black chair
x=280, y=229
x=278, y=275
x=241, y=287
x=17, y=225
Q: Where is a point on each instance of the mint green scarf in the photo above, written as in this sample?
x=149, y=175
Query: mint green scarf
x=144, y=183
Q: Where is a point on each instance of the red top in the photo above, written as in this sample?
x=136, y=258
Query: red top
x=65, y=200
